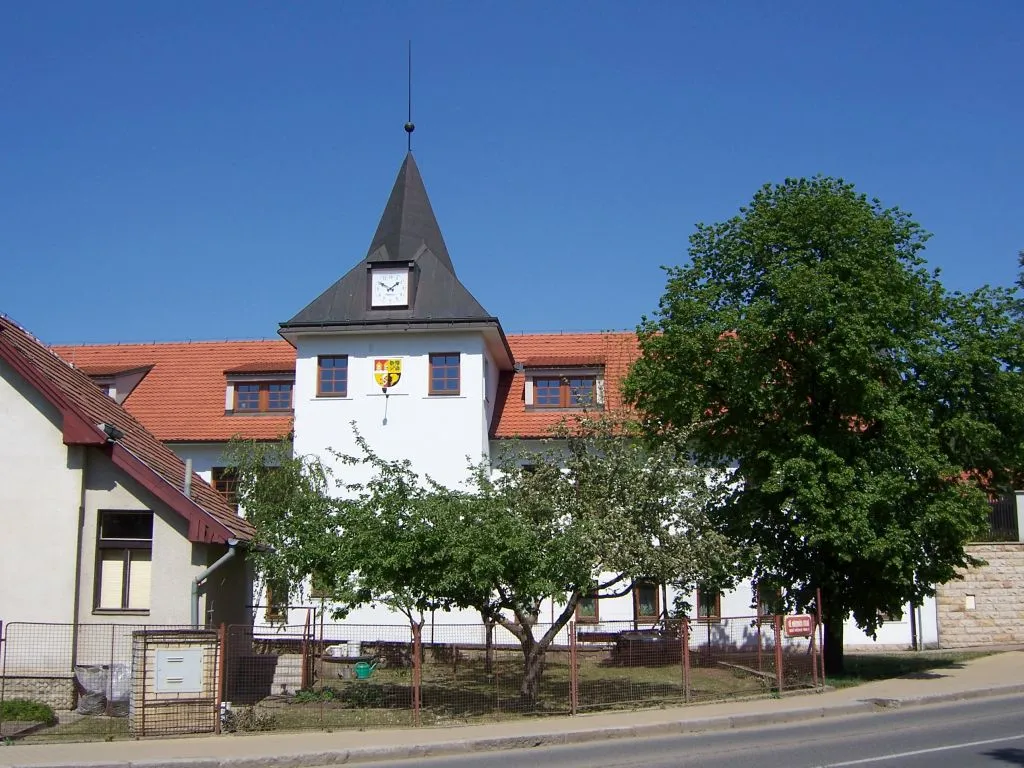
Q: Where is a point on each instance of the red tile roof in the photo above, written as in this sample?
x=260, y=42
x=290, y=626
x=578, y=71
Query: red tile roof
x=182, y=398
x=136, y=451
x=617, y=350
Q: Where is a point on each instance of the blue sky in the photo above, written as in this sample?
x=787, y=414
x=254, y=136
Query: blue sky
x=202, y=170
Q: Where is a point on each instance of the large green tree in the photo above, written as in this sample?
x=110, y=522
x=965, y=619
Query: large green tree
x=859, y=403
x=591, y=509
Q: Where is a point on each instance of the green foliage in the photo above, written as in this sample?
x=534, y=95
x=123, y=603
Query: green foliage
x=27, y=710
x=248, y=720
x=539, y=523
x=857, y=401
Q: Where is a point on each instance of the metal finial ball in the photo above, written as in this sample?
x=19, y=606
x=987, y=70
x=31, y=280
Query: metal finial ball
x=409, y=127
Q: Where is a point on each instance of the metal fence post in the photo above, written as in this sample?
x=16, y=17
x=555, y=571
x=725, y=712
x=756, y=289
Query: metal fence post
x=778, y=652
x=3, y=668
x=822, y=625
x=686, y=659
x=574, y=671
x=222, y=639
x=814, y=652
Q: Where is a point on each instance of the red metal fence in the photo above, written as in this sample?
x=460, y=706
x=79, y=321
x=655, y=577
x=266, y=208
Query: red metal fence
x=106, y=681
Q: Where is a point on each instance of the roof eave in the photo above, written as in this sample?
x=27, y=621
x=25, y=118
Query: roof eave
x=76, y=429
x=292, y=331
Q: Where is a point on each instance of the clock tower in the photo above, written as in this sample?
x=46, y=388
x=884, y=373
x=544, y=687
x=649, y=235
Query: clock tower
x=399, y=347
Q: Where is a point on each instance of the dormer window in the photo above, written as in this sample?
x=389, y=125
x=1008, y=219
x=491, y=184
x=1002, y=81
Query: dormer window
x=263, y=397
x=564, y=391
x=116, y=381
x=254, y=388
x=565, y=387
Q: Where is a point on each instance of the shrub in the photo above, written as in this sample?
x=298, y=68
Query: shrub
x=27, y=710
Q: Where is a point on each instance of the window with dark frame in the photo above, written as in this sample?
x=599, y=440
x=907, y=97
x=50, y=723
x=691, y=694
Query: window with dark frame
x=564, y=391
x=332, y=376
x=709, y=604
x=263, y=397
x=646, y=600
x=769, y=599
x=587, y=611
x=277, y=601
x=444, y=373
x=124, y=560
x=225, y=481
x=320, y=587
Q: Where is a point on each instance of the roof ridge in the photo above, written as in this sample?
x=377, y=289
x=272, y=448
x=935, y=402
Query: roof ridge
x=185, y=342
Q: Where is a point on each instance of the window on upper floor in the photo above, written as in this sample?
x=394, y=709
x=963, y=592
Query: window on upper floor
x=568, y=390
x=225, y=481
x=263, y=396
x=124, y=560
x=564, y=391
x=445, y=373
x=332, y=376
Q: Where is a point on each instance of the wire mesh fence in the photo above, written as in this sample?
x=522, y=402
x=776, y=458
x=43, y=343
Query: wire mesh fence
x=108, y=680
x=98, y=681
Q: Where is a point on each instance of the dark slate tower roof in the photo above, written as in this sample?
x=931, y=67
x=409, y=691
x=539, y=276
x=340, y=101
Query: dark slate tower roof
x=408, y=233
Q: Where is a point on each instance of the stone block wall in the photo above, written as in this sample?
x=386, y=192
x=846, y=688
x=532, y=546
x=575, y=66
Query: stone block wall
x=58, y=692
x=986, y=607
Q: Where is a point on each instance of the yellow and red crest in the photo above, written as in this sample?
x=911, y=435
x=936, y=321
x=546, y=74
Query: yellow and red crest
x=387, y=372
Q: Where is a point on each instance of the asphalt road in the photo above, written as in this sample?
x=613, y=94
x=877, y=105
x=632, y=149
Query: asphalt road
x=986, y=732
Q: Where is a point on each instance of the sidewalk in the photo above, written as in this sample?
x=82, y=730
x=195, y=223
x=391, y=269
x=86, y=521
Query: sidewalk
x=988, y=676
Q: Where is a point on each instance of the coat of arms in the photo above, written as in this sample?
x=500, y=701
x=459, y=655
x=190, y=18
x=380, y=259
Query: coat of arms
x=387, y=372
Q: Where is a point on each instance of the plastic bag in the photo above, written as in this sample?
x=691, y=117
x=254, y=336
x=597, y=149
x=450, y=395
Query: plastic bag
x=119, y=690
x=94, y=680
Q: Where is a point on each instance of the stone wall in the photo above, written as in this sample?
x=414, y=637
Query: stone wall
x=58, y=692
x=986, y=607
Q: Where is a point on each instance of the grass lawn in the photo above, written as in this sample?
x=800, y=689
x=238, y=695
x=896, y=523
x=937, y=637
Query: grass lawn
x=81, y=728
x=464, y=692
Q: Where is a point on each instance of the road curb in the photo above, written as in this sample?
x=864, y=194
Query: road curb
x=529, y=741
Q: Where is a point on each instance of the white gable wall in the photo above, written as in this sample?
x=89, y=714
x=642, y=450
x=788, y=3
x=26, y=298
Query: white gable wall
x=40, y=495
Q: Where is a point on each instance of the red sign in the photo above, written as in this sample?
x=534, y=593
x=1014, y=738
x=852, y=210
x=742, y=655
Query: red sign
x=799, y=626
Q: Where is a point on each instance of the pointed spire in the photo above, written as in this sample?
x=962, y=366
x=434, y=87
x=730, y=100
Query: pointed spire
x=408, y=222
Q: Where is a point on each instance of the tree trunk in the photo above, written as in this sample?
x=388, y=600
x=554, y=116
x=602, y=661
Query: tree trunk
x=489, y=646
x=833, y=646
x=533, y=669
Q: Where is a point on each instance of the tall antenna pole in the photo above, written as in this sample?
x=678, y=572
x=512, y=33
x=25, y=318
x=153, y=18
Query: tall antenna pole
x=409, y=127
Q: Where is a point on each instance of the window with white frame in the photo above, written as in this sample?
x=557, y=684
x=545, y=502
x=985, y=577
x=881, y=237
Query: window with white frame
x=565, y=389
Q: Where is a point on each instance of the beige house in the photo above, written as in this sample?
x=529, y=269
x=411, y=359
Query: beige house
x=100, y=524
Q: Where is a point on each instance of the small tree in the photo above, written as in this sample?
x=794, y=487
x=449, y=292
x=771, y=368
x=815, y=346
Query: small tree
x=591, y=508
x=859, y=402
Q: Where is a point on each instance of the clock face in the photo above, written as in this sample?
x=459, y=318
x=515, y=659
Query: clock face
x=389, y=287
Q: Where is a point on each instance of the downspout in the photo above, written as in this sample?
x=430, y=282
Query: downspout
x=232, y=548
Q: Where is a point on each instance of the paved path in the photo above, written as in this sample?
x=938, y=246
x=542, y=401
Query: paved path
x=988, y=676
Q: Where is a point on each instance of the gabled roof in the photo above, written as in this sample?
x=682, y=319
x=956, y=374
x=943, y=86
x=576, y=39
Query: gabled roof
x=615, y=351
x=408, y=232
x=84, y=407
x=182, y=398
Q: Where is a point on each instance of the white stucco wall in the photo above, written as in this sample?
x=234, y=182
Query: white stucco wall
x=40, y=495
x=205, y=456
x=437, y=433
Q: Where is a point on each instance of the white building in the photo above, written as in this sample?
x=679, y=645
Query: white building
x=100, y=524
x=454, y=385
